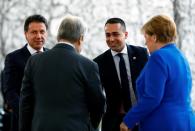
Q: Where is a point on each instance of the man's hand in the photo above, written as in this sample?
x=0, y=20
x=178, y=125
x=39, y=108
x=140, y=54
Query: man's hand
x=123, y=127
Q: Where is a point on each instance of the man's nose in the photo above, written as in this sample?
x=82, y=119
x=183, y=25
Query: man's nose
x=111, y=38
x=39, y=35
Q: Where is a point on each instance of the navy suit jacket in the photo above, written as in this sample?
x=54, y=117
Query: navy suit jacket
x=109, y=78
x=13, y=73
x=61, y=91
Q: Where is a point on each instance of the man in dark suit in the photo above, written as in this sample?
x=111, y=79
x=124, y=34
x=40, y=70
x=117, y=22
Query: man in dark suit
x=35, y=30
x=6, y=114
x=134, y=58
x=61, y=89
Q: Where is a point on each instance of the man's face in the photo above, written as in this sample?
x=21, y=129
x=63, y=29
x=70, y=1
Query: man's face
x=115, y=36
x=36, y=35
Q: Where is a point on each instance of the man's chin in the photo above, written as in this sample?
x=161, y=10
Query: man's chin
x=38, y=47
x=114, y=48
x=39, y=44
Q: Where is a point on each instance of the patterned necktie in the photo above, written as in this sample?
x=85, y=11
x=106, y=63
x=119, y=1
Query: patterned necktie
x=124, y=83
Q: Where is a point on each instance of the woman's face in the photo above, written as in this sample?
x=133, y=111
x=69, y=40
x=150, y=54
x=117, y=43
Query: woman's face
x=150, y=42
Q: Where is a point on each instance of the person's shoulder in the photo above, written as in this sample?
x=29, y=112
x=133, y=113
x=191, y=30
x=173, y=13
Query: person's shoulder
x=85, y=61
x=83, y=58
x=135, y=47
x=16, y=52
x=102, y=56
x=160, y=54
x=137, y=50
x=45, y=49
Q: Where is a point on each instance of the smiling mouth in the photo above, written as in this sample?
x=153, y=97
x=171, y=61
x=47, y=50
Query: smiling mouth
x=39, y=41
x=113, y=45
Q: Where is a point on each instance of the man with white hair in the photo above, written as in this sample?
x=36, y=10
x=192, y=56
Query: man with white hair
x=61, y=89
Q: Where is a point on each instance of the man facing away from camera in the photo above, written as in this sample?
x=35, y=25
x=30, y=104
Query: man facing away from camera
x=61, y=89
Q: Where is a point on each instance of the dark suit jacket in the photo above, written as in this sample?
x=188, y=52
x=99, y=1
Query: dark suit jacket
x=13, y=73
x=109, y=78
x=2, y=84
x=61, y=91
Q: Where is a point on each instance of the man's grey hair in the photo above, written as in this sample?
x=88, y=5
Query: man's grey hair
x=71, y=28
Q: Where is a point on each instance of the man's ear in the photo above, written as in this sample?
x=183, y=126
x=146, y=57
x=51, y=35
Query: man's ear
x=80, y=41
x=82, y=38
x=25, y=34
x=78, y=44
x=126, y=35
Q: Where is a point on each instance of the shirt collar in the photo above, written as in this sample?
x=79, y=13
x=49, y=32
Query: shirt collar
x=32, y=50
x=124, y=51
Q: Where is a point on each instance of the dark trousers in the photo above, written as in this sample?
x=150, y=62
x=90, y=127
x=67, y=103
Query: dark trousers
x=14, y=121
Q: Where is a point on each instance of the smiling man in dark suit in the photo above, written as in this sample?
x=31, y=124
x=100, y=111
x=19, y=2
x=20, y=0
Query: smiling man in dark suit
x=119, y=98
x=61, y=89
x=35, y=31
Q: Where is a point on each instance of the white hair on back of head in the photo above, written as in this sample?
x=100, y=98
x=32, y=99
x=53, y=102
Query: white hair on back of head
x=71, y=28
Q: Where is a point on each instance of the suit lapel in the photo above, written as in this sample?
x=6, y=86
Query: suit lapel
x=45, y=49
x=132, y=60
x=25, y=53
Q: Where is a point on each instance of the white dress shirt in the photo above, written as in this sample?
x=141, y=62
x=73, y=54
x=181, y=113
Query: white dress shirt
x=127, y=65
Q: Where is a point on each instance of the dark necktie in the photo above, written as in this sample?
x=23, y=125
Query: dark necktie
x=124, y=83
x=38, y=51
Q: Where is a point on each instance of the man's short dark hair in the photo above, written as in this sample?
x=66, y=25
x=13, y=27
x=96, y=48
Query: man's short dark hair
x=115, y=21
x=35, y=18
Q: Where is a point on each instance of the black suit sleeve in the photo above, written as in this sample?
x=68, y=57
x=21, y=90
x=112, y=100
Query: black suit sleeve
x=95, y=96
x=11, y=82
x=2, y=84
x=26, y=100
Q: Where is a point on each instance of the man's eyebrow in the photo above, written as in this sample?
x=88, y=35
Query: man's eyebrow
x=112, y=32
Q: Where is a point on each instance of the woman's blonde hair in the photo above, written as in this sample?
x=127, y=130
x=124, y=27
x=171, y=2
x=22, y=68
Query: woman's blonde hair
x=163, y=27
